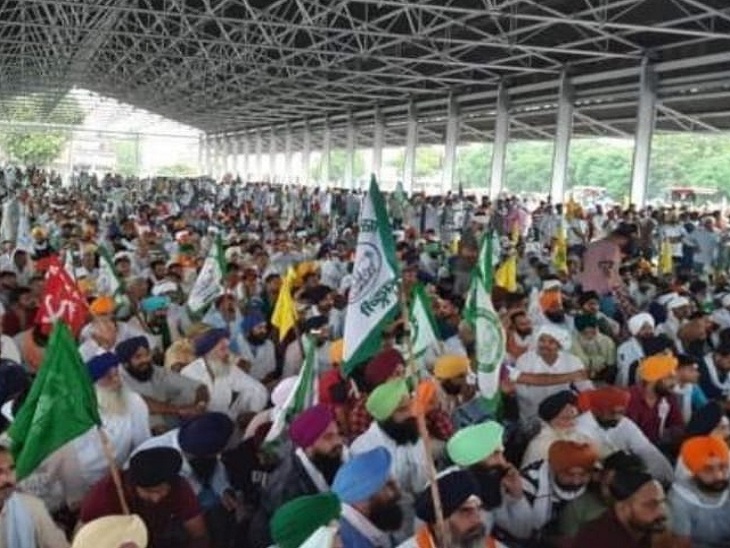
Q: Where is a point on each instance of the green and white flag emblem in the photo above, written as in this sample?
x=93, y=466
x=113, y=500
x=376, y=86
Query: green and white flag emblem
x=209, y=283
x=423, y=325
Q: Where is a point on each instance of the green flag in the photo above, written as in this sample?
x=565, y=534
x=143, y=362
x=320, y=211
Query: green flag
x=209, y=283
x=374, y=296
x=489, y=334
x=60, y=407
x=303, y=394
x=423, y=325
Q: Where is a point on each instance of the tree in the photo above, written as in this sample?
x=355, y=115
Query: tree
x=127, y=157
x=176, y=170
x=338, y=162
x=39, y=147
x=429, y=161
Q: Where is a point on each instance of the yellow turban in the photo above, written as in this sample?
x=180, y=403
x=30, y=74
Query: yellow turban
x=337, y=351
x=102, y=306
x=451, y=366
x=655, y=368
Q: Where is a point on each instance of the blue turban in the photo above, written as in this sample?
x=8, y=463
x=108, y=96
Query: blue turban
x=251, y=320
x=206, y=435
x=362, y=476
x=207, y=341
x=128, y=348
x=101, y=364
x=155, y=303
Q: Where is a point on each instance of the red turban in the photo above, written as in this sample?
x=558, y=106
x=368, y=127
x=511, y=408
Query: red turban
x=604, y=400
x=565, y=455
x=382, y=367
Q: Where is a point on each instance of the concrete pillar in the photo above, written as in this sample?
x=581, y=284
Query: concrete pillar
x=288, y=146
x=272, y=156
x=563, y=133
x=350, y=154
x=645, y=121
x=245, y=157
x=378, y=143
x=409, y=166
x=259, y=171
x=228, y=158
x=201, y=153
x=499, y=148
x=448, y=173
x=306, y=153
x=326, y=149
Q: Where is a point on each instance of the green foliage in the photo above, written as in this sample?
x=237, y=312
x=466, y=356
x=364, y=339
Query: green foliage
x=338, y=161
x=127, y=157
x=38, y=147
x=473, y=164
x=429, y=161
x=176, y=170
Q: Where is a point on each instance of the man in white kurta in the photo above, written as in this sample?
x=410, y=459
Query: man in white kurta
x=232, y=391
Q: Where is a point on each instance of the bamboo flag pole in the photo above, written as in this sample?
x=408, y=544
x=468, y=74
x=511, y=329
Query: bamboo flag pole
x=109, y=454
x=420, y=409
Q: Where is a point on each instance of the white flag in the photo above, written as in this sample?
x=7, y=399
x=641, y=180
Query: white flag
x=107, y=282
x=209, y=283
x=25, y=240
x=423, y=325
x=374, y=294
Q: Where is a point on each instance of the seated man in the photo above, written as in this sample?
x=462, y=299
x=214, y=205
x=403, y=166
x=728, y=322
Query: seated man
x=155, y=491
x=169, y=396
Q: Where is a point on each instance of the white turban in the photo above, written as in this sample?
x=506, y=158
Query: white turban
x=726, y=301
x=561, y=336
x=640, y=320
x=677, y=302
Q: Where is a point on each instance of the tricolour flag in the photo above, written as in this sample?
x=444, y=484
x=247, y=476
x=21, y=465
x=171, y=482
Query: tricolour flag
x=209, y=283
x=489, y=334
x=61, y=300
x=61, y=405
x=284, y=316
x=423, y=325
x=374, y=294
x=303, y=394
x=107, y=282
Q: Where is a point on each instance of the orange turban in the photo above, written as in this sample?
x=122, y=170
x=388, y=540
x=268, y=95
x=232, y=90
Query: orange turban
x=656, y=368
x=337, y=352
x=696, y=452
x=565, y=455
x=603, y=400
x=551, y=299
x=102, y=306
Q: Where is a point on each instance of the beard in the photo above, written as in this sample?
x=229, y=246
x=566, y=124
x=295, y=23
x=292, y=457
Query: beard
x=451, y=388
x=555, y=316
x=328, y=465
x=219, y=368
x=386, y=516
x=714, y=488
x=524, y=332
x=473, y=538
x=112, y=402
x=663, y=391
x=203, y=468
x=257, y=340
x=141, y=376
x=402, y=433
x=656, y=526
x=489, y=479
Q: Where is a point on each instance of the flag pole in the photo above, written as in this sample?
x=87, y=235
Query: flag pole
x=114, y=469
x=442, y=532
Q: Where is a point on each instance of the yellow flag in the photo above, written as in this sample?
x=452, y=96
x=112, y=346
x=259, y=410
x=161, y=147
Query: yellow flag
x=515, y=234
x=560, y=252
x=506, y=275
x=666, y=261
x=285, y=312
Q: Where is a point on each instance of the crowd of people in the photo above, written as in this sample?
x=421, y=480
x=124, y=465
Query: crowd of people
x=611, y=429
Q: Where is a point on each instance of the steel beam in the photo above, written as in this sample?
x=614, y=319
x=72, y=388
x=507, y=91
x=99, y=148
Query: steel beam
x=563, y=133
x=350, y=155
x=288, y=151
x=378, y=143
x=306, y=153
x=409, y=164
x=272, y=156
x=325, y=160
x=448, y=173
x=646, y=118
x=499, y=147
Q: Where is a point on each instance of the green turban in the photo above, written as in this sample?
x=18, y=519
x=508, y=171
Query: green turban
x=297, y=520
x=473, y=444
x=386, y=398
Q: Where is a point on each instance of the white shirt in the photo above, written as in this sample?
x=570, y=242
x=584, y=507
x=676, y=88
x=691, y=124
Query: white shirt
x=529, y=397
x=232, y=393
x=626, y=436
x=262, y=358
